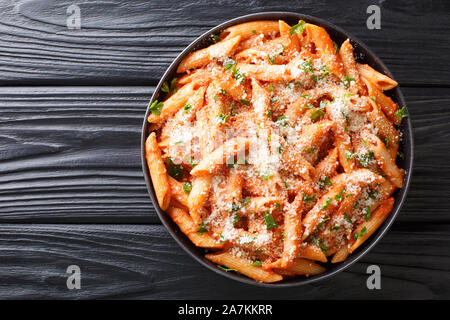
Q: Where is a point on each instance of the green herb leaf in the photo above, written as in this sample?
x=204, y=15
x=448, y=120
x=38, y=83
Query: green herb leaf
x=335, y=228
x=245, y=102
x=282, y=121
x=298, y=28
x=187, y=108
x=187, y=187
x=156, y=107
x=367, y=213
x=226, y=269
x=360, y=234
x=307, y=66
x=257, y=263
x=325, y=182
x=326, y=204
x=270, y=221
x=202, y=228
x=307, y=198
x=401, y=113
x=221, y=118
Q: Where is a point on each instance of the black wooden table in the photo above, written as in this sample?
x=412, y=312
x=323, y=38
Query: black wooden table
x=71, y=187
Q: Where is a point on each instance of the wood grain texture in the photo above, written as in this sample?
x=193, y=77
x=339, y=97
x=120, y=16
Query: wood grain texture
x=72, y=154
x=143, y=262
x=132, y=42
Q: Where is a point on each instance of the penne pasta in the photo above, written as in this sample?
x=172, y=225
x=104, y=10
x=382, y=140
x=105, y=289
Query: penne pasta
x=275, y=149
x=244, y=267
x=158, y=171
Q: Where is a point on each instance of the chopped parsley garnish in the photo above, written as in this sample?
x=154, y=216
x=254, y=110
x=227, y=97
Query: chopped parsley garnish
x=306, y=96
x=346, y=81
x=386, y=142
x=245, y=201
x=324, y=182
x=283, y=234
x=365, y=158
x=367, y=213
x=280, y=149
x=326, y=204
x=307, y=198
x=336, y=48
x=187, y=108
x=282, y=121
x=156, y=107
x=221, y=118
x=340, y=195
x=236, y=218
x=271, y=58
x=226, y=269
x=229, y=65
x=245, y=102
x=239, y=76
x=170, y=88
x=223, y=92
x=271, y=87
x=335, y=228
x=269, y=221
x=320, y=225
x=277, y=205
x=307, y=66
x=202, y=228
x=298, y=28
x=401, y=155
x=347, y=218
x=215, y=38
x=322, y=246
x=175, y=170
x=192, y=161
x=257, y=263
x=235, y=207
x=269, y=114
x=360, y=234
x=254, y=31
x=187, y=187
x=273, y=100
x=318, y=113
x=401, y=113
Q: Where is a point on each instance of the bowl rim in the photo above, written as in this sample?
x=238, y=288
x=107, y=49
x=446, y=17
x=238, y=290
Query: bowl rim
x=400, y=198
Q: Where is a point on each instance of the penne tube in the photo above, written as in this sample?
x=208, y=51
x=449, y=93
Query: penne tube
x=385, y=128
x=297, y=164
x=248, y=29
x=302, y=267
x=384, y=159
x=324, y=46
x=350, y=68
x=312, y=252
x=244, y=267
x=323, y=208
x=367, y=228
x=292, y=43
x=204, y=56
x=341, y=254
x=158, y=171
x=198, y=195
x=328, y=166
x=212, y=162
x=387, y=105
x=173, y=104
x=177, y=191
x=382, y=81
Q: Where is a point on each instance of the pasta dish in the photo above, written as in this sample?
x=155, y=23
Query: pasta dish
x=275, y=150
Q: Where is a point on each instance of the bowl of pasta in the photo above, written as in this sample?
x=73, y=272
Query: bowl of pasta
x=277, y=149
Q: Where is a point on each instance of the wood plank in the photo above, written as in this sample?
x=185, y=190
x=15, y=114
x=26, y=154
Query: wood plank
x=142, y=261
x=123, y=42
x=72, y=154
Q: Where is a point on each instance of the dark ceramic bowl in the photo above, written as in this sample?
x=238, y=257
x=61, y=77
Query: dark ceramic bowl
x=364, y=55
